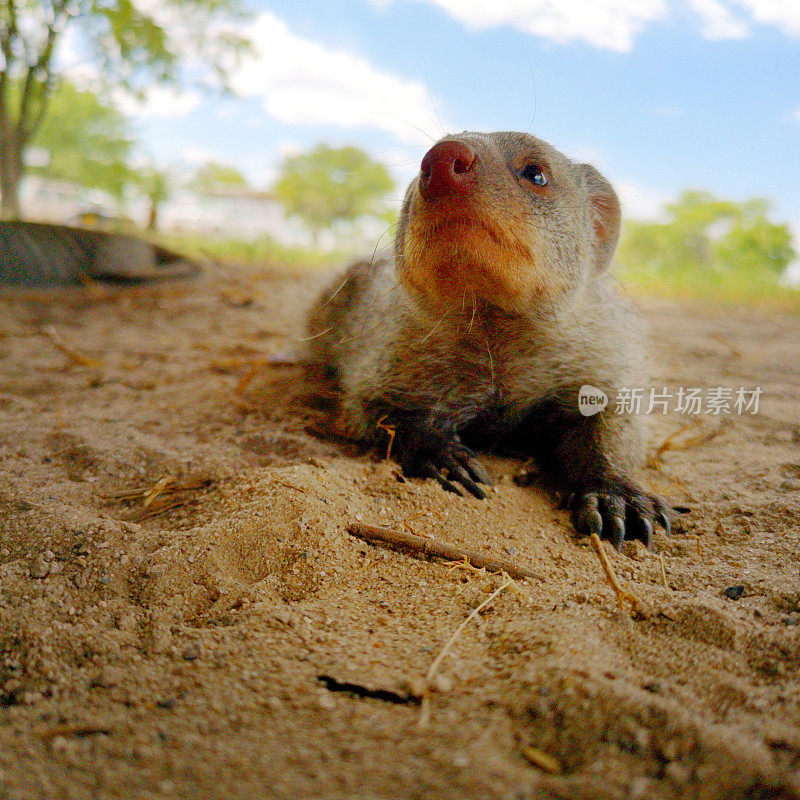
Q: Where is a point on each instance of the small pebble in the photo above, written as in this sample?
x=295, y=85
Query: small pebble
x=191, y=653
x=677, y=772
x=39, y=567
x=544, y=761
x=733, y=592
x=640, y=789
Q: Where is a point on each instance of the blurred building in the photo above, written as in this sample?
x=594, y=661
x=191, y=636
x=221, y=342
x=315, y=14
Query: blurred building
x=51, y=200
x=236, y=212
x=231, y=212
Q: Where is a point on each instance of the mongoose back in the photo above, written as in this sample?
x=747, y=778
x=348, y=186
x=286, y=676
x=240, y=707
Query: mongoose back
x=494, y=312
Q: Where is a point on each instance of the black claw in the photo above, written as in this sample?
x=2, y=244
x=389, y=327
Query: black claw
x=617, y=532
x=430, y=471
x=467, y=483
x=475, y=490
x=646, y=532
x=475, y=469
x=588, y=521
x=618, y=510
x=456, y=472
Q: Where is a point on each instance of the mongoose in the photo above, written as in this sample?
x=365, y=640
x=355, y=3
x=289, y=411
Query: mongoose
x=494, y=312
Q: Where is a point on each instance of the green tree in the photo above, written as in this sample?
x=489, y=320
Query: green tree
x=156, y=185
x=705, y=232
x=87, y=141
x=213, y=176
x=131, y=43
x=327, y=185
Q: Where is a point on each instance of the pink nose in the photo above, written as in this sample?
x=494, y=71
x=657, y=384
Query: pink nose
x=447, y=168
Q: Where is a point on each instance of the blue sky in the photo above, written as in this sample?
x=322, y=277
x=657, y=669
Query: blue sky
x=660, y=94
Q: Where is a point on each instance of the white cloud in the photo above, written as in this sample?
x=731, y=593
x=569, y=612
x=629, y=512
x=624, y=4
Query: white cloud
x=718, y=21
x=303, y=82
x=614, y=24
x=158, y=101
x=196, y=154
x=640, y=202
x=608, y=24
x=784, y=14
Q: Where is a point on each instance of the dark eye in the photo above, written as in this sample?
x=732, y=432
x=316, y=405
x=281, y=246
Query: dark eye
x=534, y=174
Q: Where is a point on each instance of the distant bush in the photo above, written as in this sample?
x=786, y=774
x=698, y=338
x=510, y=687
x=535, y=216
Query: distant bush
x=706, y=233
x=710, y=249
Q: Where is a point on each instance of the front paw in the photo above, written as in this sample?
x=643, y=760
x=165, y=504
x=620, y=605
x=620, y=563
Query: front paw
x=446, y=460
x=617, y=509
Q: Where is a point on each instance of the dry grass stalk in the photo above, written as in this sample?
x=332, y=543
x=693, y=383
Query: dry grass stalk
x=425, y=713
x=430, y=548
x=663, y=571
x=671, y=443
x=391, y=430
x=166, y=493
x=623, y=596
x=79, y=358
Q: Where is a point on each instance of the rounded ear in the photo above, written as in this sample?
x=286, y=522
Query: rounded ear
x=606, y=215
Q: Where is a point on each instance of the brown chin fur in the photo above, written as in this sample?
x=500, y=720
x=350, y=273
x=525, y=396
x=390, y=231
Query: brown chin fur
x=449, y=262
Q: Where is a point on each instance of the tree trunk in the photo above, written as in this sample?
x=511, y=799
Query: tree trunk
x=152, y=216
x=10, y=174
x=9, y=201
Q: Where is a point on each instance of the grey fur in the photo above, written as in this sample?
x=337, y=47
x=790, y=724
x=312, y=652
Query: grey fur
x=392, y=351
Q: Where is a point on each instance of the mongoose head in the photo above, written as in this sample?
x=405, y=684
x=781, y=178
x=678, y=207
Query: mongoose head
x=503, y=218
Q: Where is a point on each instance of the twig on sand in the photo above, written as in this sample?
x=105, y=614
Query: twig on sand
x=430, y=548
x=73, y=729
x=622, y=594
x=425, y=712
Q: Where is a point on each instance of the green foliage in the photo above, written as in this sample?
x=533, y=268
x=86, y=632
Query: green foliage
x=703, y=233
x=328, y=185
x=214, y=176
x=733, y=287
x=254, y=255
x=156, y=185
x=132, y=44
x=135, y=44
x=87, y=140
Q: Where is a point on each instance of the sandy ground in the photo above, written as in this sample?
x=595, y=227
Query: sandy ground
x=157, y=652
